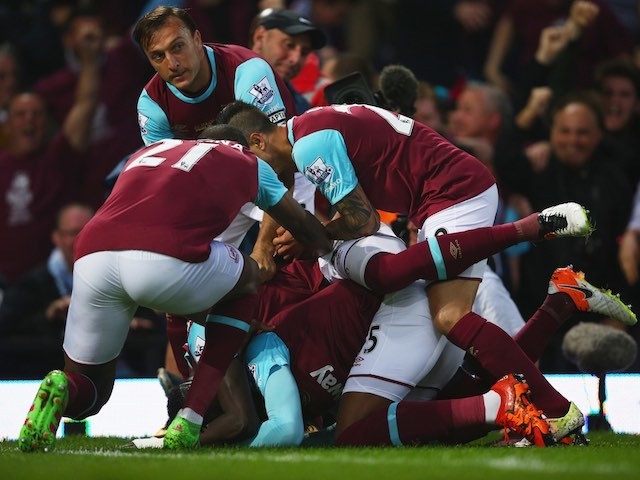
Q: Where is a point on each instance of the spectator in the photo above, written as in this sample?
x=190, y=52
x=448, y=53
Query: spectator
x=40, y=173
x=618, y=82
x=428, y=108
x=39, y=301
x=113, y=134
x=583, y=167
x=34, y=312
x=595, y=31
x=338, y=66
x=285, y=39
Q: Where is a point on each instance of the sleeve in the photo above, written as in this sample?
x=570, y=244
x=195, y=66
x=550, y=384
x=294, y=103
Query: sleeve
x=270, y=188
x=267, y=358
x=255, y=83
x=152, y=120
x=323, y=159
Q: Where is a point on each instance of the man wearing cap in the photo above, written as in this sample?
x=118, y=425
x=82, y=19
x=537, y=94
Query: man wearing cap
x=285, y=39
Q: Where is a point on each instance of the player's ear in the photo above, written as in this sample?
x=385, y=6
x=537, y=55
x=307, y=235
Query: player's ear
x=197, y=38
x=257, y=142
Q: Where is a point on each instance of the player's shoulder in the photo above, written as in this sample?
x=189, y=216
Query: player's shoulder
x=154, y=87
x=234, y=54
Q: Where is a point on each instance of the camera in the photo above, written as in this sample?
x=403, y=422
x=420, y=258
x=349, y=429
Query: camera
x=398, y=90
x=351, y=89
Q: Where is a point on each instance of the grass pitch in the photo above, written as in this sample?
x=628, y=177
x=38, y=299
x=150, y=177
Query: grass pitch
x=610, y=455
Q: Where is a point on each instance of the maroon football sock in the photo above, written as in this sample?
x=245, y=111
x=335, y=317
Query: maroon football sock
x=416, y=423
x=222, y=343
x=223, y=339
x=535, y=335
x=82, y=396
x=387, y=272
x=499, y=355
x=177, y=336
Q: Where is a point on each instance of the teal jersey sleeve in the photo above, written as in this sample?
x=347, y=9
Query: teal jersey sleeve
x=264, y=353
x=255, y=83
x=152, y=120
x=270, y=188
x=323, y=159
x=268, y=360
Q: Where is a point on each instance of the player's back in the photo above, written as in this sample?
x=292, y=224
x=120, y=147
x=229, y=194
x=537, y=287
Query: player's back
x=403, y=166
x=324, y=334
x=173, y=197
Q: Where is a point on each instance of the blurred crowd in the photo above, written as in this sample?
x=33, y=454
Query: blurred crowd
x=546, y=93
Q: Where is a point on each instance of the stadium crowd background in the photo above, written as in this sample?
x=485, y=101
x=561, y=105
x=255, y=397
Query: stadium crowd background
x=546, y=93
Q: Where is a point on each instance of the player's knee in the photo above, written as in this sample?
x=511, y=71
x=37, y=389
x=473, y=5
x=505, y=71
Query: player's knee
x=446, y=318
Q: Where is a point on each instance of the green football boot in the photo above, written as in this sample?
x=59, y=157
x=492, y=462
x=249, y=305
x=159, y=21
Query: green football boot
x=182, y=434
x=38, y=434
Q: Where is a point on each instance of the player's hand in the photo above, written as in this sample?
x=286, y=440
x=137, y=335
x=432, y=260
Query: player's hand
x=287, y=247
x=629, y=256
x=266, y=264
x=57, y=310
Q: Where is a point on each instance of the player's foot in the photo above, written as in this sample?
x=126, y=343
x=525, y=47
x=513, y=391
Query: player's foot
x=182, y=434
x=39, y=430
x=565, y=220
x=568, y=429
x=588, y=298
x=518, y=414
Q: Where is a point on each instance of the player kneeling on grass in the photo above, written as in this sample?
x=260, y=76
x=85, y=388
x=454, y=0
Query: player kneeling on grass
x=150, y=245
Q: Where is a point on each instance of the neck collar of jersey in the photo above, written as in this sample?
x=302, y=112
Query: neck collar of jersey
x=290, y=130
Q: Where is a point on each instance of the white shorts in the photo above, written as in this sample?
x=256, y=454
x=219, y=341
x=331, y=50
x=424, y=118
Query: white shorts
x=479, y=211
x=494, y=304
x=109, y=286
x=402, y=346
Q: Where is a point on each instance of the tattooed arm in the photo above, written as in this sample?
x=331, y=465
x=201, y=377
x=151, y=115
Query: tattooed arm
x=357, y=218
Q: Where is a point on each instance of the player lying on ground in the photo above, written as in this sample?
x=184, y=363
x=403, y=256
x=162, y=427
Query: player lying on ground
x=300, y=360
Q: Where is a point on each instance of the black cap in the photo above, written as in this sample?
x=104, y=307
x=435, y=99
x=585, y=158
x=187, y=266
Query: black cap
x=292, y=24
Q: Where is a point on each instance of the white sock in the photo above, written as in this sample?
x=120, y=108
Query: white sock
x=491, y=406
x=190, y=415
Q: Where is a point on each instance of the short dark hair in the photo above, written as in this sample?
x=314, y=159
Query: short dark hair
x=156, y=18
x=585, y=97
x=245, y=117
x=224, y=132
x=618, y=67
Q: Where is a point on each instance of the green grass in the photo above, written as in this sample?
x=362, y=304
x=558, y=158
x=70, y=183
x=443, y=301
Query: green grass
x=77, y=458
